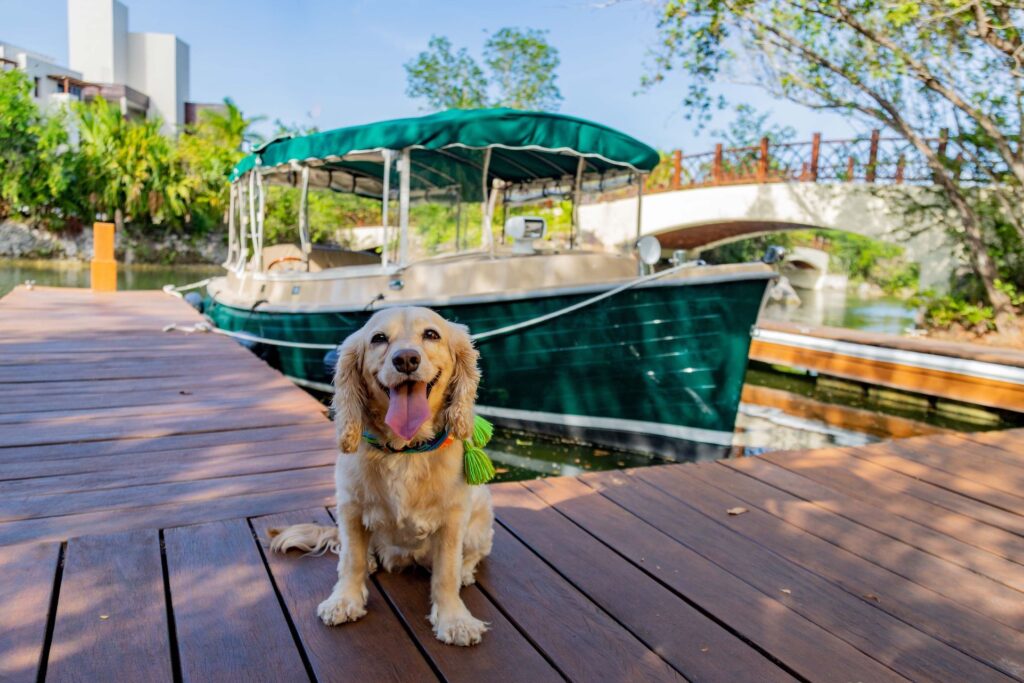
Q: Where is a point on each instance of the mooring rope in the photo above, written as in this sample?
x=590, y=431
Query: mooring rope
x=508, y=329
x=175, y=290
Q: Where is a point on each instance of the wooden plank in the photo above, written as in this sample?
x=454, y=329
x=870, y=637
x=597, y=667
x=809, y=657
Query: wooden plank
x=112, y=617
x=27, y=476
x=213, y=444
x=504, y=653
x=58, y=504
x=1008, y=442
x=967, y=457
x=931, y=539
x=582, y=640
x=229, y=623
x=28, y=573
x=759, y=618
x=712, y=489
x=692, y=643
x=156, y=426
x=153, y=471
x=373, y=649
x=166, y=515
x=905, y=649
x=994, y=485
x=876, y=484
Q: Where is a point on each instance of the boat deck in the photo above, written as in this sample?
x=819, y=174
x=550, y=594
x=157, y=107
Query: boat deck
x=889, y=562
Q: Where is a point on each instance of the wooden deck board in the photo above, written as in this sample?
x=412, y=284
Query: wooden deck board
x=884, y=563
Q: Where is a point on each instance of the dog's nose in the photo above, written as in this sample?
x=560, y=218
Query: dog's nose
x=406, y=360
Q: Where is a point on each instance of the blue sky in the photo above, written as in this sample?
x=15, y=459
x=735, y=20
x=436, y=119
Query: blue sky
x=335, y=63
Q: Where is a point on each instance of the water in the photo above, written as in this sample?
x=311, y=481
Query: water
x=837, y=308
x=75, y=274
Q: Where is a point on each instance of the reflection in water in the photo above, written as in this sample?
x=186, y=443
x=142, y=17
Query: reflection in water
x=76, y=274
x=837, y=308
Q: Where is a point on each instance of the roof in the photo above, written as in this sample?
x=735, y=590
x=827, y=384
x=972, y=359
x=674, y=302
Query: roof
x=447, y=150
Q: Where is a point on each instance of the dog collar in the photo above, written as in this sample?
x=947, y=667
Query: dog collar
x=440, y=440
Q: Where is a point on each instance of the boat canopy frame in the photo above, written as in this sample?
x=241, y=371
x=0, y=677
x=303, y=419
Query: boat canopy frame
x=468, y=155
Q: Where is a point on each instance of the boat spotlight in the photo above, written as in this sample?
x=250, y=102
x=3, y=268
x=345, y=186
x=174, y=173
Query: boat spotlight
x=524, y=230
x=648, y=248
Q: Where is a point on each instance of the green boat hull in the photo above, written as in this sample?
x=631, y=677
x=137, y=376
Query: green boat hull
x=656, y=368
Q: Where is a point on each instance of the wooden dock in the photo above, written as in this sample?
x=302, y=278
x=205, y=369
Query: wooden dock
x=134, y=535
x=969, y=373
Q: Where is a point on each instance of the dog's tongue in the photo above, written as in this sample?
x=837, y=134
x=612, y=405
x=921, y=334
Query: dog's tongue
x=408, y=409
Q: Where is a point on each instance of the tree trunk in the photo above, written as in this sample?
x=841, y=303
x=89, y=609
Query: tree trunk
x=118, y=221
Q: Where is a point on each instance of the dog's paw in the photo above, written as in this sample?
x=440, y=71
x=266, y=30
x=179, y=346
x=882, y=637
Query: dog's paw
x=339, y=609
x=460, y=629
x=371, y=564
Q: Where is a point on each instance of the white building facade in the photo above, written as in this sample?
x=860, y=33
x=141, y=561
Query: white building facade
x=146, y=74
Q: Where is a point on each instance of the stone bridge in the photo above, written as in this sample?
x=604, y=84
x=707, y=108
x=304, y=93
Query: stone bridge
x=868, y=187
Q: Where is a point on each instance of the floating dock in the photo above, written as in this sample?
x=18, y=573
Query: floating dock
x=968, y=373
x=140, y=472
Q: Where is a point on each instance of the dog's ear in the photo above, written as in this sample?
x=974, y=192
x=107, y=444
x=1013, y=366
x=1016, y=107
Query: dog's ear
x=458, y=413
x=349, y=393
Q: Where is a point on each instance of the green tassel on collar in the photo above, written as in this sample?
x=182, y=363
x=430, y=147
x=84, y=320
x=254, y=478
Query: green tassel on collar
x=477, y=464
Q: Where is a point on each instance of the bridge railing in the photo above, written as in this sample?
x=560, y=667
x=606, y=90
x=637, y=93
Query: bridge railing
x=875, y=159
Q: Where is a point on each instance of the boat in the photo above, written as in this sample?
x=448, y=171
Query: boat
x=619, y=349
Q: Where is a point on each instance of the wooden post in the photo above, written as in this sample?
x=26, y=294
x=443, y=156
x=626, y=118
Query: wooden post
x=900, y=166
x=762, y=161
x=677, y=169
x=849, y=169
x=873, y=157
x=103, y=268
x=815, y=155
x=716, y=165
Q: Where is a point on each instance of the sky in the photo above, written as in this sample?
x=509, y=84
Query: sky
x=332, y=63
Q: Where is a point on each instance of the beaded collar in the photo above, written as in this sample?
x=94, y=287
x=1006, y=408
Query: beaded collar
x=440, y=440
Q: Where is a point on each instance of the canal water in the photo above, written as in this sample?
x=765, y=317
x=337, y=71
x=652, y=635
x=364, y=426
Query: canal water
x=518, y=455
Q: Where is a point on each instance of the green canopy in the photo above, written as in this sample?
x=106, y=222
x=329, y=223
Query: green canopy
x=447, y=152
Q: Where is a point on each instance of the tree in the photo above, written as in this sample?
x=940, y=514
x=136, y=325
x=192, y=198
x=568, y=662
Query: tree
x=37, y=165
x=446, y=80
x=133, y=172
x=912, y=65
x=209, y=149
x=522, y=66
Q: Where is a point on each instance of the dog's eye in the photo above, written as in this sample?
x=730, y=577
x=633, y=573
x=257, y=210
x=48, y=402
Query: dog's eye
x=431, y=334
x=379, y=338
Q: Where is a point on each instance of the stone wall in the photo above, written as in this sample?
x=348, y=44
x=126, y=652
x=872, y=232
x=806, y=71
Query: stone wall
x=154, y=246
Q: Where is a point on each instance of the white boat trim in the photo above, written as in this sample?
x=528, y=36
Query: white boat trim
x=607, y=423
x=506, y=296
x=916, y=359
x=611, y=424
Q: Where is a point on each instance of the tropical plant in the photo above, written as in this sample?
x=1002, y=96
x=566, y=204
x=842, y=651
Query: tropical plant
x=521, y=62
x=37, y=164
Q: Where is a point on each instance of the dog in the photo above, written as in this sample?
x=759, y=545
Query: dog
x=403, y=379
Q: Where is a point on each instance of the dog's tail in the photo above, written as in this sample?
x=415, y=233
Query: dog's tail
x=314, y=539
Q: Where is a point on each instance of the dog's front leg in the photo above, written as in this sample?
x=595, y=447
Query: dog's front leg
x=347, y=601
x=452, y=622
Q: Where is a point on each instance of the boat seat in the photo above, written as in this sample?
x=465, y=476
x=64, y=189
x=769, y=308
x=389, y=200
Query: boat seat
x=321, y=257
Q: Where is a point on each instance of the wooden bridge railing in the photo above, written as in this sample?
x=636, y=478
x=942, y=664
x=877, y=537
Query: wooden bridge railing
x=876, y=159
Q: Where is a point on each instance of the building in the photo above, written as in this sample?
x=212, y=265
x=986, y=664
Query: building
x=146, y=74
x=104, y=51
x=51, y=83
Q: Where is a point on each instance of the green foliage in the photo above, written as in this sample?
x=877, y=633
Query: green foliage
x=118, y=168
x=328, y=211
x=913, y=66
x=523, y=66
x=37, y=165
x=749, y=126
x=521, y=63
